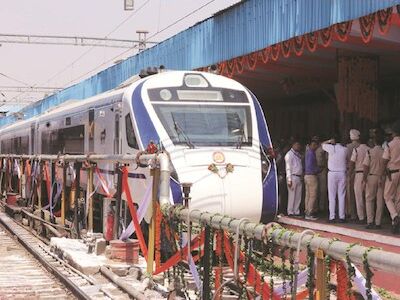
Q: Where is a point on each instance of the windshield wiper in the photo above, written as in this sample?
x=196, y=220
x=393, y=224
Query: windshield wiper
x=180, y=131
x=240, y=132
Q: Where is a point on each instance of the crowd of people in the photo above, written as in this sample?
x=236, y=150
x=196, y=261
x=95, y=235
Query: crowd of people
x=352, y=178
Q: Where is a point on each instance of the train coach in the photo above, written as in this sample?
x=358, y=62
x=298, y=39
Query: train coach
x=212, y=128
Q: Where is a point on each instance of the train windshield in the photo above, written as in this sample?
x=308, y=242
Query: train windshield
x=206, y=125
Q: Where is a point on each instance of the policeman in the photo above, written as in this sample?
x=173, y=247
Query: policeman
x=350, y=197
x=356, y=169
x=391, y=157
x=374, y=181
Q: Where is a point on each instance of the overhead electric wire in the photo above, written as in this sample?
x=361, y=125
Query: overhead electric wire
x=181, y=19
x=156, y=33
x=14, y=79
x=91, y=48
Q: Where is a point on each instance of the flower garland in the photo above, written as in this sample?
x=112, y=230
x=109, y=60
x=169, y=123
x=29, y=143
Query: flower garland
x=310, y=264
x=351, y=272
x=368, y=273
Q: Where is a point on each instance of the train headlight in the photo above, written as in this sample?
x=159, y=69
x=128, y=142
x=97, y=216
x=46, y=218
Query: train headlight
x=165, y=94
x=195, y=80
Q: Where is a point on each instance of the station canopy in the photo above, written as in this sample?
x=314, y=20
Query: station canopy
x=287, y=52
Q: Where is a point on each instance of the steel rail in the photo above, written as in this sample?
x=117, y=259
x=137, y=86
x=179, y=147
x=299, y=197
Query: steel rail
x=78, y=292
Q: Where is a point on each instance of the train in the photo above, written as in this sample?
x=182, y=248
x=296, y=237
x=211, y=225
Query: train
x=212, y=127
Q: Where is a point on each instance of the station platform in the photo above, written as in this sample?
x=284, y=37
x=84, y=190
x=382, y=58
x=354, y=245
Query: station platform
x=348, y=232
x=354, y=233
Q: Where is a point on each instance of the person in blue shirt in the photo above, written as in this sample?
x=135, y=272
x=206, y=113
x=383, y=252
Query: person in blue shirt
x=311, y=180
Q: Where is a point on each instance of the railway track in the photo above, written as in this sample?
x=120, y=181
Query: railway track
x=28, y=270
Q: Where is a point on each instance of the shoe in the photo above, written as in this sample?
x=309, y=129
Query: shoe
x=331, y=221
x=395, y=225
x=370, y=226
x=378, y=226
x=297, y=215
x=342, y=221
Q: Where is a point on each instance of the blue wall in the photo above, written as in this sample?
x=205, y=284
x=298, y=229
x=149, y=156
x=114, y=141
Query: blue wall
x=244, y=28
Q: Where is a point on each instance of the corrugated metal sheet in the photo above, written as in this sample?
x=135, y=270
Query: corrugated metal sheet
x=244, y=28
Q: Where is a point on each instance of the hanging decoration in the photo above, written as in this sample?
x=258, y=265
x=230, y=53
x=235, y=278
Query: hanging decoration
x=312, y=41
x=230, y=68
x=252, y=60
x=326, y=36
x=265, y=54
x=275, y=49
x=384, y=20
x=367, y=27
x=286, y=47
x=298, y=45
x=342, y=30
x=239, y=65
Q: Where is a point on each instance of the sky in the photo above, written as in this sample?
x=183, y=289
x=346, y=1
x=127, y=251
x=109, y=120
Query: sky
x=61, y=66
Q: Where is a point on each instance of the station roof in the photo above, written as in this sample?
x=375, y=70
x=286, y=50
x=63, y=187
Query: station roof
x=244, y=28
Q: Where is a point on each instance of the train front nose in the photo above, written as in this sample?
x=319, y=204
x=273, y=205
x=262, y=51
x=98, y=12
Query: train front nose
x=227, y=183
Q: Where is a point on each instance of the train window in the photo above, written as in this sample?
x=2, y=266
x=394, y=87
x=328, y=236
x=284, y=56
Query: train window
x=67, y=140
x=6, y=146
x=130, y=133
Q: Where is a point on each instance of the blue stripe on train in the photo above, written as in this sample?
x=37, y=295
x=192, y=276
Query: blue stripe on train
x=148, y=132
x=270, y=188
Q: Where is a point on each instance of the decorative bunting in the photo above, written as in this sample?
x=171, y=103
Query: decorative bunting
x=342, y=30
x=265, y=54
x=298, y=45
x=312, y=41
x=286, y=46
x=384, y=20
x=367, y=27
x=275, y=49
x=326, y=36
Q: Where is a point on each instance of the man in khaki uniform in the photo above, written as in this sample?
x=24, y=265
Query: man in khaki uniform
x=374, y=181
x=357, y=168
x=350, y=197
x=391, y=156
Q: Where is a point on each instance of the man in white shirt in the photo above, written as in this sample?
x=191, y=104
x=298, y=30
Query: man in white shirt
x=356, y=170
x=294, y=174
x=337, y=165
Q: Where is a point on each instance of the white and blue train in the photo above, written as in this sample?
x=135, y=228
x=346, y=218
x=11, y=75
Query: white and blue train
x=212, y=127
